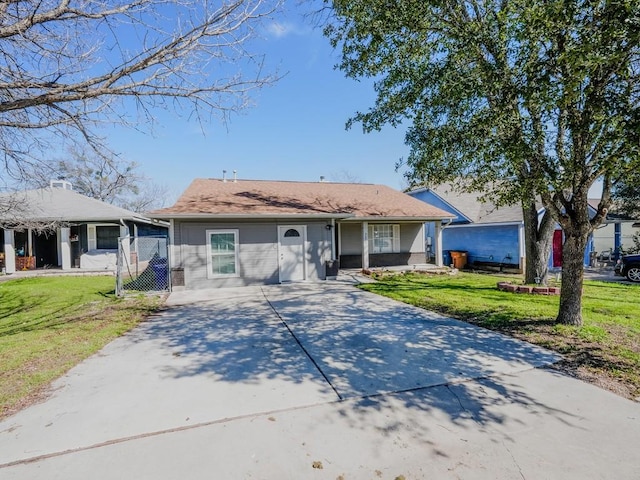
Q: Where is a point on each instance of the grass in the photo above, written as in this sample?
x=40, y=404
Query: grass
x=605, y=350
x=49, y=324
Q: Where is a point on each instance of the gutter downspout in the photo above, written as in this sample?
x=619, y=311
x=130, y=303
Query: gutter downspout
x=439, y=228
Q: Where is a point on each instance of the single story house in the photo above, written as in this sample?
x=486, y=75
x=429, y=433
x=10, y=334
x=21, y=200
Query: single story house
x=56, y=227
x=491, y=235
x=239, y=232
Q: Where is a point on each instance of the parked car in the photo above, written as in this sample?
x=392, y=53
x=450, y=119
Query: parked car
x=629, y=266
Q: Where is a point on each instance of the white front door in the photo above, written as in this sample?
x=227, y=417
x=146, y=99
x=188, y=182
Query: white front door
x=291, y=250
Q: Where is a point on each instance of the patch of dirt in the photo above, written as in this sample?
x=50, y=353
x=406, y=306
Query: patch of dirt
x=37, y=396
x=588, y=361
x=598, y=378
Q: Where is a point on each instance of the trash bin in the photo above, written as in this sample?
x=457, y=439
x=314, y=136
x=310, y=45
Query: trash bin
x=331, y=268
x=446, y=258
x=459, y=259
x=161, y=273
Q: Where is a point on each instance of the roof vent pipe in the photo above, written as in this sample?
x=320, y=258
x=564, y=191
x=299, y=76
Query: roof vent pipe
x=235, y=176
x=224, y=176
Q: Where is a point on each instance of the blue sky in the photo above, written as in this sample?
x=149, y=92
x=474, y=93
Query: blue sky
x=295, y=130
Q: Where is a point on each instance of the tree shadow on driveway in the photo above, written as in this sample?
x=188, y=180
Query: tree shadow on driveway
x=351, y=343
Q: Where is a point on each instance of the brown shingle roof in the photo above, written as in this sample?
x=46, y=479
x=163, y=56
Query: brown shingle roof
x=213, y=197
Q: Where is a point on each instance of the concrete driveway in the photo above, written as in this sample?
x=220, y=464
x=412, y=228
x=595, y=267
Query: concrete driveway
x=318, y=381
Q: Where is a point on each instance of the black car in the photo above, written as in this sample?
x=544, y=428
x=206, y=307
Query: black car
x=629, y=266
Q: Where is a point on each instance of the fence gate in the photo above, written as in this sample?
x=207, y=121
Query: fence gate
x=143, y=265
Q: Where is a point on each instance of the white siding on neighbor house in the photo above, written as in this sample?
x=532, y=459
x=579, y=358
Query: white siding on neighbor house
x=604, y=237
x=257, y=252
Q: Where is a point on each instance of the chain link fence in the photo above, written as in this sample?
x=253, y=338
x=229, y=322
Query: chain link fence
x=143, y=265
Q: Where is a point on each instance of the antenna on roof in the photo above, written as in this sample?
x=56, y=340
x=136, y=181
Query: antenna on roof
x=224, y=176
x=235, y=176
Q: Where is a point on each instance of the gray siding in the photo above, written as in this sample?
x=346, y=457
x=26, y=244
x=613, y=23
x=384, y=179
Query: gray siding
x=318, y=250
x=412, y=237
x=257, y=252
x=351, y=238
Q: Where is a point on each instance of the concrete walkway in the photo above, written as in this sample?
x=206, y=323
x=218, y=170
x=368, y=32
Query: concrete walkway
x=318, y=381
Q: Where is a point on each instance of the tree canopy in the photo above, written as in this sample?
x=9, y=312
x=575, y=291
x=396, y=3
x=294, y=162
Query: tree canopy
x=537, y=97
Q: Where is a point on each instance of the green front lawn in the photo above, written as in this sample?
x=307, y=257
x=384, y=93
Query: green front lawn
x=606, y=350
x=49, y=324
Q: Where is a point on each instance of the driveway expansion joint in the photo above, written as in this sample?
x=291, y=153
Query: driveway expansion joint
x=306, y=352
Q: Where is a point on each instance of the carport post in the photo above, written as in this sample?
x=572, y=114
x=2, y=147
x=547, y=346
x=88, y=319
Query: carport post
x=365, y=245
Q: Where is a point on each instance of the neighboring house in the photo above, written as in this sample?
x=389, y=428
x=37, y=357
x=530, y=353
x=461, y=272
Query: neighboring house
x=229, y=233
x=57, y=227
x=615, y=232
x=491, y=235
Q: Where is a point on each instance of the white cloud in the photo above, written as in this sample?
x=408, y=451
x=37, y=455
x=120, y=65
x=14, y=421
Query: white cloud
x=283, y=29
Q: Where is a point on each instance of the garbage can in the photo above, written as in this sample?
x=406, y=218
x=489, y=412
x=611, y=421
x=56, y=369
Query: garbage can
x=459, y=259
x=446, y=258
x=161, y=273
x=331, y=268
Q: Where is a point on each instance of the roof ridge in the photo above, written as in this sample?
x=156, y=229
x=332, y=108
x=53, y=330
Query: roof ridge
x=238, y=180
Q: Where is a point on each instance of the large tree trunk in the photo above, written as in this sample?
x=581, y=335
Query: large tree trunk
x=538, y=238
x=573, y=250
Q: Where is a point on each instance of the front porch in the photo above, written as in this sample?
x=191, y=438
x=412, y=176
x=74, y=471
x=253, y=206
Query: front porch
x=384, y=244
x=65, y=247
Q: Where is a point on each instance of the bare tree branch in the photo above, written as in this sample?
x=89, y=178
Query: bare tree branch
x=67, y=65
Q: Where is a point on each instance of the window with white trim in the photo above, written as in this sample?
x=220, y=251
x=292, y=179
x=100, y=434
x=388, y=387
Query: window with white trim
x=222, y=255
x=384, y=238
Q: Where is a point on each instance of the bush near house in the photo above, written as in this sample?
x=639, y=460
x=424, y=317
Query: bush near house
x=49, y=324
x=605, y=351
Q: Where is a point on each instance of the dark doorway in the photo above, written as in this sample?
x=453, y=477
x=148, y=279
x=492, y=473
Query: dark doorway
x=46, y=249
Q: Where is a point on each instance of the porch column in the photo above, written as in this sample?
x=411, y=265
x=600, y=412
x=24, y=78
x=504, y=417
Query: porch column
x=9, y=252
x=617, y=240
x=438, y=241
x=29, y=252
x=64, y=248
x=365, y=245
x=332, y=234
